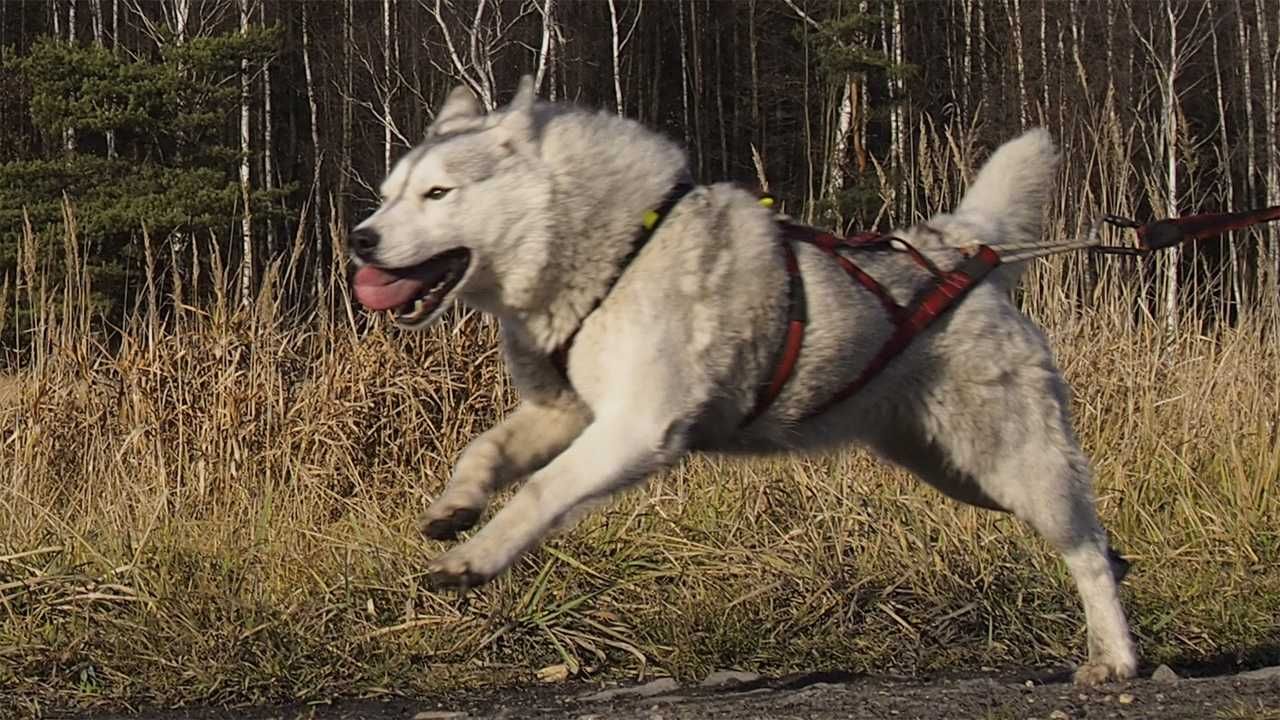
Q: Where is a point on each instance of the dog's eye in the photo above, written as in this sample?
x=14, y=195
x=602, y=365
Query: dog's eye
x=436, y=193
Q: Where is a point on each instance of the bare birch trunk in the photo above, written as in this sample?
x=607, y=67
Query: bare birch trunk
x=967, y=77
x=1044, y=66
x=317, y=157
x=1014, y=10
x=348, y=53
x=695, y=49
x=833, y=178
x=1081, y=74
x=1246, y=70
x=69, y=133
x=99, y=38
x=246, y=221
x=757, y=121
x=268, y=142
x=1170, y=113
x=617, y=68
x=1233, y=269
x=684, y=72
x=1272, y=196
x=386, y=80
x=548, y=37
x=897, y=95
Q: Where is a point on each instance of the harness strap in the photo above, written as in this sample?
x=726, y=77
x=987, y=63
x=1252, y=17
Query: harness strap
x=652, y=219
x=891, y=306
x=1167, y=233
x=797, y=316
x=926, y=308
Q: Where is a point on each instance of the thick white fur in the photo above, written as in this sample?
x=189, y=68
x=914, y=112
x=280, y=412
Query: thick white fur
x=549, y=199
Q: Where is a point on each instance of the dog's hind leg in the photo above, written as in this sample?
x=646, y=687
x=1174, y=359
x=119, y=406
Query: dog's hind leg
x=1049, y=488
x=1009, y=445
x=902, y=444
x=1018, y=447
x=527, y=439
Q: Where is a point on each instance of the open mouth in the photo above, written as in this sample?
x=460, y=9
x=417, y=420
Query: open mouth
x=412, y=293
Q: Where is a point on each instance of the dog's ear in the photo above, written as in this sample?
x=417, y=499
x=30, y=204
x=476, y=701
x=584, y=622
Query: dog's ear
x=517, y=117
x=460, y=105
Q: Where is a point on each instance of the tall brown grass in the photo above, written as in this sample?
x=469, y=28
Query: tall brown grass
x=218, y=507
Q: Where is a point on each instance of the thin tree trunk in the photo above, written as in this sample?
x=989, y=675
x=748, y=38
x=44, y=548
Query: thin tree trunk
x=967, y=76
x=1233, y=268
x=1014, y=10
x=1272, y=184
x=99, y=38
x=246, y=221
x=898, y=110
x=1044, y=65
x=617, y=67
x=348, y=53
x=268, y=160
x=1110, y=15
x=386, y=90
x=695, y=47
x=1246, y=70
x=1061, y=79
x=1170, y=112
x=719, y=90
x=981, y=12
x=684, y=72
x=69, y=133
x=1081, y=74
x=317, y=157
x=757, y=121
x=833, y=176
x=548, y=37
x=95, y=21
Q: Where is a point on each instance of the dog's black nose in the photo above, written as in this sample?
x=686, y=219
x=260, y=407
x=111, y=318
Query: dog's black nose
x=364, y=241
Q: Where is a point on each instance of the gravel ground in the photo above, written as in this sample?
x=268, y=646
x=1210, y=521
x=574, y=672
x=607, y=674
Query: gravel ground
x=1253, y=695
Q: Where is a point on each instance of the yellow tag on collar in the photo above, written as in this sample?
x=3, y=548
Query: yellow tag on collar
x=767, y=201
x=651, y=219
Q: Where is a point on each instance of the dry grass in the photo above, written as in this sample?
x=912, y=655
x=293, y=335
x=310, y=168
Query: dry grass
x=220, y=509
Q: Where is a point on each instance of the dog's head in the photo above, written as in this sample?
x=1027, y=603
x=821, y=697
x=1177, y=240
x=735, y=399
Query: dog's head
x=453, y=210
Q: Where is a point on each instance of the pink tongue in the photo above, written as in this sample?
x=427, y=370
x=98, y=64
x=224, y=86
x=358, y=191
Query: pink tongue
x=378, y=289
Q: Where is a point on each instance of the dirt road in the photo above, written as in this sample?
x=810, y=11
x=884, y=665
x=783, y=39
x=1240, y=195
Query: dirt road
x=1253, y=695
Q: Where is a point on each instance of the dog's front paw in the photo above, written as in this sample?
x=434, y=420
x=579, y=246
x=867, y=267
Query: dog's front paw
x=1098, y=673
x=456, y=571
x=444, y=522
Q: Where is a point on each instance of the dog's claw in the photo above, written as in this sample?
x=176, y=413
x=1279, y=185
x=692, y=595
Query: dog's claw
x=450, y=524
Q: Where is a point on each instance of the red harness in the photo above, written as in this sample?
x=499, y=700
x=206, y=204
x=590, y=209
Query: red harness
x=948, y=288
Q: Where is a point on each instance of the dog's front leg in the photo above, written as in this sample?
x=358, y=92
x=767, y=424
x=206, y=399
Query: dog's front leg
x=613, y=452
x=523, y=442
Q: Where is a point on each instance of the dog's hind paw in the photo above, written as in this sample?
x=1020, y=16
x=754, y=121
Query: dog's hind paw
x=446, y=525
x=1096, y=673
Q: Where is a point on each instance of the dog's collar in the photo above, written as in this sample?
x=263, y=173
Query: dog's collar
x=648, y=226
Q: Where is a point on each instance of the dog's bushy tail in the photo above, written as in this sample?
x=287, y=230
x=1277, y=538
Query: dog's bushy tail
x=1007, y=201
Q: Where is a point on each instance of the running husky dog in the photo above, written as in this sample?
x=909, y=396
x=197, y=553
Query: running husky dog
x=632, y=345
